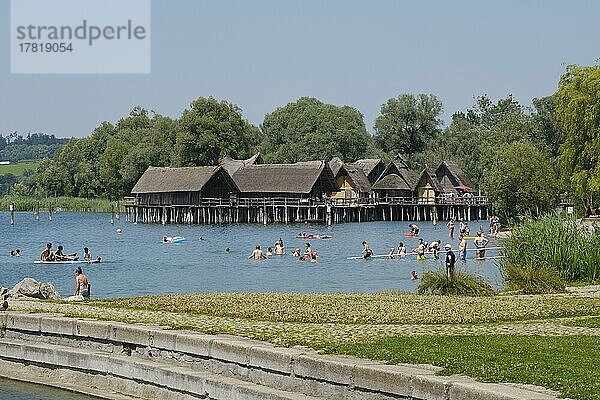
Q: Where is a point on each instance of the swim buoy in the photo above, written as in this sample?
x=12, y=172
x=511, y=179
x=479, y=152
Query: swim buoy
x=409, y=234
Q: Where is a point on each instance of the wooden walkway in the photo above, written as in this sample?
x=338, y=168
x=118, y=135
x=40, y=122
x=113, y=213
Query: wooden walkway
x=294, y=210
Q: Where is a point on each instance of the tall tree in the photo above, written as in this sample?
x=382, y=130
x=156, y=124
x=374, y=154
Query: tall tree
x=578, y=114
x=407, y=123
x=309, y=129
x=520, y=180
x=208, y=130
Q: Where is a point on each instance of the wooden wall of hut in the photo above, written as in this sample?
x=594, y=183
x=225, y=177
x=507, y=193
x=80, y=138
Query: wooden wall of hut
x=322, y=213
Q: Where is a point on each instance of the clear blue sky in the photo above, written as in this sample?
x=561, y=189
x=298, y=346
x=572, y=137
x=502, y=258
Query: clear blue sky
x=262, y=54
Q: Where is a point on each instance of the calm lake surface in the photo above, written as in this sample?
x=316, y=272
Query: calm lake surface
x=16, y=390
x=135, y=262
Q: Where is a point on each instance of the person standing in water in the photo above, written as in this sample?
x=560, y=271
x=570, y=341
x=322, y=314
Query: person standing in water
x=367, y=251
x=450, y=226
x=480, y=242
x=257, y=254
x=462, y=248
x=450, y=261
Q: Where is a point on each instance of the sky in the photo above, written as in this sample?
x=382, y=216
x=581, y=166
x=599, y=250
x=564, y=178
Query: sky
x=263, y=54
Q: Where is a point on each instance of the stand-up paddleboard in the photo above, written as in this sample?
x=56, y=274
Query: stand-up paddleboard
x=96, y=261
x=409, y=234
x=312, y=236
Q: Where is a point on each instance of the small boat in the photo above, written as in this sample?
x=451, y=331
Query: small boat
x=96, y=261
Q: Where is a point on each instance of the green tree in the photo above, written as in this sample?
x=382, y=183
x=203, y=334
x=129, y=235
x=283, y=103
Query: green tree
x=208, y=130
x=520, y=180
x=578, y=115
x=472, y=137
x=309, y=129
x=407, y=123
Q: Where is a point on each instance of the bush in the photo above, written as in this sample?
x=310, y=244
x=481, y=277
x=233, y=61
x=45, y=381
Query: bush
x=462, y=283
x=531, y=279
x=553, y=249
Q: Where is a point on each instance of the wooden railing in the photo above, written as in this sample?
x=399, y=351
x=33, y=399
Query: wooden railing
x=296, y=202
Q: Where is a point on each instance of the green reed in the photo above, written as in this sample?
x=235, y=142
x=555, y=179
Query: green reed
x=26, y=203
x=550, y=247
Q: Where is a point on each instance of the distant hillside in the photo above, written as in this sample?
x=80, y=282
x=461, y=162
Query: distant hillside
x=34, y=146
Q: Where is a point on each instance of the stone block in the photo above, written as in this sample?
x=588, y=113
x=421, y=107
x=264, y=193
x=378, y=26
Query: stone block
x=24, y=322
x=57, y=325
x=325, y=368
x=93, y=329
x=230, y=350
x=383, y=378
x=136, y=334
x=273, y=358
x=162, y=339
x=430, y=387
x=195, y=344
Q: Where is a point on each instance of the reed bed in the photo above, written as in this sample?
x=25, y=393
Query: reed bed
x=541, y=255
x=26, y=203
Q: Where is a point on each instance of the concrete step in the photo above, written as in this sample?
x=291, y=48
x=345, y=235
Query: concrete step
x=119, y=377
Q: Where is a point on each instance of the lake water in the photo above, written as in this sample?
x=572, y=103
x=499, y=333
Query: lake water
x=135, y=262
x=16, y=390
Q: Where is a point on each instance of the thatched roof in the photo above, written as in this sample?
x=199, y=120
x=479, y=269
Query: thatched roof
x=232, y=165
x=429, y=173
x=186, y=179
x=400, y=161
x=358, y=177
x=335, y=164
x=398, y=166
x=355, y=173
x=367, y=164
x=392, y=182
x=298, y=178
x=458, y=178
x=372, y=167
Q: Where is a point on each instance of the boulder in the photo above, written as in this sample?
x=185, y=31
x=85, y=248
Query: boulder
x=30, y=288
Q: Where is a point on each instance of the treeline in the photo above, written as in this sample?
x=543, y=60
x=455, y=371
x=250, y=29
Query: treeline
x=522, y=158
x=35, y=146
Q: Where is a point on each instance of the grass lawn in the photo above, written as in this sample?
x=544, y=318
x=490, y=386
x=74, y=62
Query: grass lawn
x=18, y=168
x=568, y=364
x=360, y=308
x=546, y=340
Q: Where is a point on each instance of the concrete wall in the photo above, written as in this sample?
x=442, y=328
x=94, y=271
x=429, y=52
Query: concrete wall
x=122, y=361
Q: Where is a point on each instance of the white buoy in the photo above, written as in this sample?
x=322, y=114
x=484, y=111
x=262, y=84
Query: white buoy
x=119, y=230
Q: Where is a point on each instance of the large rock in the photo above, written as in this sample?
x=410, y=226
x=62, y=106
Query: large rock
x=31, y=288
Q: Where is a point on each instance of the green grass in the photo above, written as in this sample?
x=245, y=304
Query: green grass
x=568, y=364
x=376, y=308
x=18, y=168
x=593, y=322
